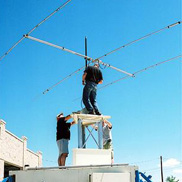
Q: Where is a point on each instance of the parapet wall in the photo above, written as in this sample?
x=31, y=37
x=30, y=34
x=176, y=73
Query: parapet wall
x=14, y=151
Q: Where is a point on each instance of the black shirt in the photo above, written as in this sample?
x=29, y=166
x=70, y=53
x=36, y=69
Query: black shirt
x=93, y=74
x=63, y=129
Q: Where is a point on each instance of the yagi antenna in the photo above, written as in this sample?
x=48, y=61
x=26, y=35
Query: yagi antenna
x=117, y=49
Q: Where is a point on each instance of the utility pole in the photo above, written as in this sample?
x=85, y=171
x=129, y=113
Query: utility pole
x=161, y=169
x=85, y=51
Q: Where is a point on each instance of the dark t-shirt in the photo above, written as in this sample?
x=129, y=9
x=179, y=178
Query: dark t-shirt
x=63, y=129
x=93, y=74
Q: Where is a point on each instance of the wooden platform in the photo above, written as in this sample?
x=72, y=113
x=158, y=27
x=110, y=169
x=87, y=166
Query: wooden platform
x=88, y=119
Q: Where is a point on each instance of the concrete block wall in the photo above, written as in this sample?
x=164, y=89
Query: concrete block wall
x=33, y=159
x=11, y=148
x=13, y=151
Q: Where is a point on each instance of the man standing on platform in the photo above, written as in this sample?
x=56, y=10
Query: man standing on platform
x=91, y=77
x=63, y=137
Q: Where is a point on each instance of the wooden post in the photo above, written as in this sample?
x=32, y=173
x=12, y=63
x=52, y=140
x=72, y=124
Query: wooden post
x=161, y=169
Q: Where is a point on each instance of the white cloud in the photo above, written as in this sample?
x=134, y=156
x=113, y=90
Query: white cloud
x=177, y=171
x=171, y=163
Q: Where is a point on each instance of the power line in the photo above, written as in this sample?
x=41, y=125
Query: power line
x=145, y=36
x=146, y=161
x=165, y=169
x=45, y=19
x=152, y=169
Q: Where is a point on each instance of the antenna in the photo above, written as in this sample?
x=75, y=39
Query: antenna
x=45, y=19
x=76, y=53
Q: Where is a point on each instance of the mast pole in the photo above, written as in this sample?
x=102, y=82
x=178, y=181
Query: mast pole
x=85, y=52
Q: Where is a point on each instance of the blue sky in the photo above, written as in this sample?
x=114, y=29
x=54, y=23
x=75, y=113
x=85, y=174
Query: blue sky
x=146, y=110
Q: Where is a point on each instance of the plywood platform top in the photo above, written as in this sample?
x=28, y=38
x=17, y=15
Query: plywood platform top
x=88, y=119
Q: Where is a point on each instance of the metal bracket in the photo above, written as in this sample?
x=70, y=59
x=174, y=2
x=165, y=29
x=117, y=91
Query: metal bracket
x=138, y=174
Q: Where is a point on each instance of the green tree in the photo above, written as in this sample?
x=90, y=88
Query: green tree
x=171, y=179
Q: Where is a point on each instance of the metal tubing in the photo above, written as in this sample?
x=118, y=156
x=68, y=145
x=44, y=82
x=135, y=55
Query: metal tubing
x=137, y=176
x=76, y=53
x=174, y=24
x=100, y=135
x=117, y=69
x=58, y=47
x=80, y=142
x=93, y=136
x=83, y=137
x=86, y=138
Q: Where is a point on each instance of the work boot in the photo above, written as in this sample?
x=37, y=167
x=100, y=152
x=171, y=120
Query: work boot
x=91, y=112
x=97, y=113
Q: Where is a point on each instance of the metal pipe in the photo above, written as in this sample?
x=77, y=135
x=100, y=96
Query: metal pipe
x=56, y=46
x=76, y=53
x=117, y=69
x=93, y=136
x=100, y=135
x=80, y=142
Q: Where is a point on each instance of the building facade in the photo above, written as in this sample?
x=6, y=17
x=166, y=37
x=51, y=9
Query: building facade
x=14, y=154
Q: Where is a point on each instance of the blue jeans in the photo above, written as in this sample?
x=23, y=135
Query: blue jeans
x=89, y=96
